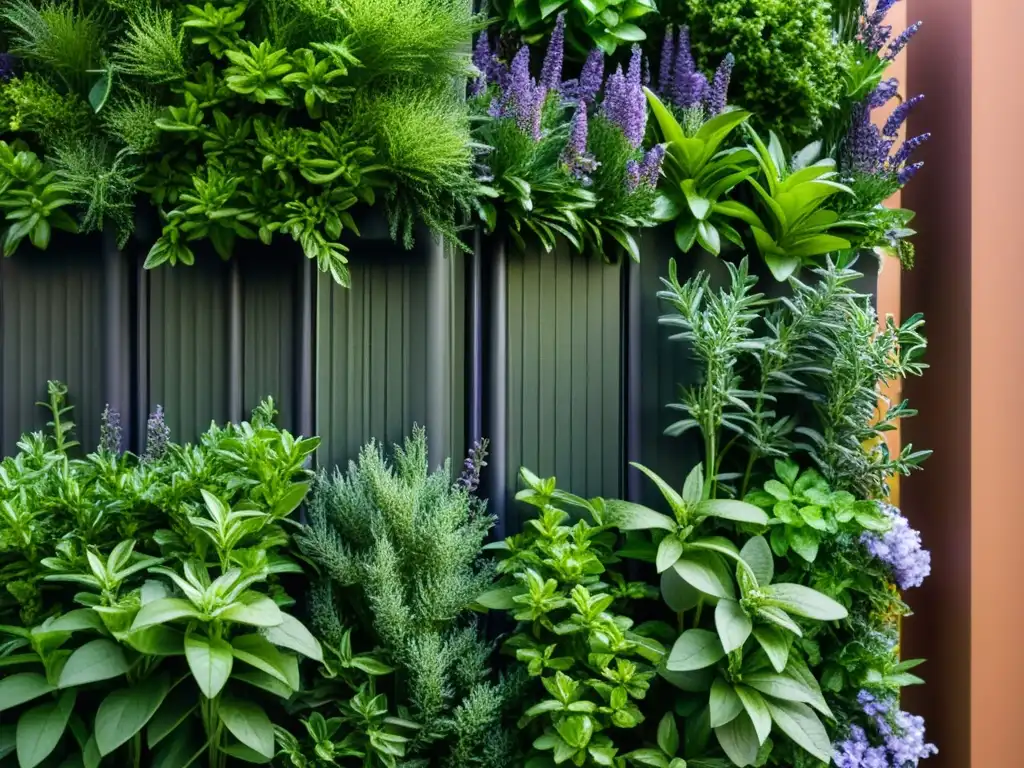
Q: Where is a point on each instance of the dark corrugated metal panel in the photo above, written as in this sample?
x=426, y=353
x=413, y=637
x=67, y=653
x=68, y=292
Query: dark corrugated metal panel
x=564, y=371
x=371, y=352
x=269, y=295
x=51, y=309
x=187, y=329
x=458, y=376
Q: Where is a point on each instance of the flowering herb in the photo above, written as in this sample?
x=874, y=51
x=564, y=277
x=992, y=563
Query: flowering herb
x=900, y=549
x=158, y=435
x=896, y=740
x=110, y=431
x=562, y=161
x=469, y=478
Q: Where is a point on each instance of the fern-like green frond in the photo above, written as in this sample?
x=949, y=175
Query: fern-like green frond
x=152, y=47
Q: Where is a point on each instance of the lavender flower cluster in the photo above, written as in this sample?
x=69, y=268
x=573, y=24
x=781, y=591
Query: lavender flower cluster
x=899, y=742
x=900, y=549
x=522, y=98
x=869, y=149
x=874, y=33
x=110, y=431
x=681, y=84
x=469, y=479
x=158, y=435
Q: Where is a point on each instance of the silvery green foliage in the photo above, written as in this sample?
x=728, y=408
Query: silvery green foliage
x=400, y=545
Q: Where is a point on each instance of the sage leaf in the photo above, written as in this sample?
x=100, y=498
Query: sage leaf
x=733, y=624
x=724, y=704
x=799, y=722
x=695, y=649
x=806, y=602
x=738, y=740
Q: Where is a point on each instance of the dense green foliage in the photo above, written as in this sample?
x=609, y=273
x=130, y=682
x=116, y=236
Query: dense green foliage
x=145, y=610
x=789, y=70
x=398, y=548
x=247, y=120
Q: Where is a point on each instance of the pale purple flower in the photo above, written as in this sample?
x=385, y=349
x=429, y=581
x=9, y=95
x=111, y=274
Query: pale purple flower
x=898, y=741
x=650, y=168
x=624, y=103
x=908, y=172
x=866, y=150
x=521, y=98
x=110, y=431
x=667, y=64
x=588, y=85
x=896, y=46
x=899, y=116
x=577, y=160
x=469, y=479
x=716, y=96
x=158, y=435
x=632, y=176
x=698, y=89
x=873, y=33
x=883, y=93
x=551, y=71
x=900, y=549
x=908, y=147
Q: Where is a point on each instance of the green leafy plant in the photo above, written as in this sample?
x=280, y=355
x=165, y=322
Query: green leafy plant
x=606, y=24
x=398, y=548
x=790, y=71
x=591, y=667
x=32, y=198
x=699, y=174
x=148, y=593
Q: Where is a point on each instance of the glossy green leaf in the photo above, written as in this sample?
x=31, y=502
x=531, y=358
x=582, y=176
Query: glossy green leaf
x=260, y=653
x=41, y=728
x=706, y=571
x=738, y=740
x=733, y=624
x=732, y=509
x=669, y=551
x=800, y=723
x=775, y=644
x=724, y=704
x=248, y=723
x=756, y=710
x=124, y=713
x=757, y=554
x=804, y=601
x=695, y=649
x=253, y=609
x=163, y=611
x=96, y=660
x=210, y=661
x=21, y=687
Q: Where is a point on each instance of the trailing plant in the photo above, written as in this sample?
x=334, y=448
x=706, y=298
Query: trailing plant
x=181, y=640
x=248, y=120
x=789, y=69
x=590, y=666
x=398, y=550
x=605, y=24
x=558, y=161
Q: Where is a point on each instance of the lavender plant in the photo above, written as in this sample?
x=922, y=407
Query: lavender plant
x=564, y=158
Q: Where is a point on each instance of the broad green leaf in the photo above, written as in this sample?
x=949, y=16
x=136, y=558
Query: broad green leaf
x=782, y=267
x=627, y=516
x=695, y=649
x=245, y=754
x=21, y=687
x=671, y=131
x=724, y=704
x=263, y=681
x=804, y=601
x=757, y=554
x=739, y=740
x=96, y=660
x=757, y=710
x=677, y=594
x=805, y=542
x=124, y=713
x=700, y=206
x=798, y=670
x=733, y=624
x=628, y=33
x=782, y=687
x=291, y=500
x=73, y=621
x=651, y=757
x=693, y=488
x=210, y=661
x=40, y=729
x=181, y=703
x=686, y=235
x=799, y=722
x=775, y=644
x=260, y=653
x=718, y=544
x=501, y=598
x=253, y=609
x=248, y=723
x=780, y=618
x=164, y=610
x=669, y=551
x=733, y=509
x=708, y=237
x=706, y=571
x=100, y=91
x=668, y=735
x=156, y=640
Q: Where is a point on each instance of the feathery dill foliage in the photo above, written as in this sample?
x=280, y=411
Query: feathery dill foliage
x=61, y=36
x=133, y=117
x=425, y=39
x=103, y=187
x=400, y=546
x=801, y=374
x=152, y=47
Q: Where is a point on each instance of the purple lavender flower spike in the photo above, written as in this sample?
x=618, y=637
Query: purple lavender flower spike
x=522, y=98
x=907, y=173
x=635, y=94
x=624, y=104
x=896, y=46
x=898, y=738
x=482, y=53
x=588, y=85
x=578, y=161
x=158, y=435
x=469, y=479
x=866, y=149
x=716, y=97
x=908, y=147
x=699, y=88
x=681, y=92
x=886, y=90
x=900, y=547
x=899, y=116
x=632, y=176
x=873, y=34
x=650, y=168
x=667, y=63
x=110, y=431
x=551, y=71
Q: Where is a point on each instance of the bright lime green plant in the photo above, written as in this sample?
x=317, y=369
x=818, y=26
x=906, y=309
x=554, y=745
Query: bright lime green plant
x=32, y=199
x=605, y=24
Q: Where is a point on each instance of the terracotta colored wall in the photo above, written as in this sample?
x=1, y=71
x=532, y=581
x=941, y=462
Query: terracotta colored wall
x=970, y=285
